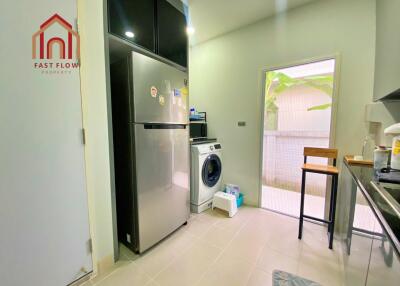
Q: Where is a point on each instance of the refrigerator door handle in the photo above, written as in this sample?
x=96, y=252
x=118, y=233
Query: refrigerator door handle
x=163, y=126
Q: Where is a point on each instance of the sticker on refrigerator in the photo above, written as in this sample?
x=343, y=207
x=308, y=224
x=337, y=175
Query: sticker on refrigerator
x=161, y=100
x=177, y=92
x=153, y=91
x=184, y=91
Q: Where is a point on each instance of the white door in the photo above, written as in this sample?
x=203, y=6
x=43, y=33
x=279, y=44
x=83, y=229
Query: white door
x=44, y=226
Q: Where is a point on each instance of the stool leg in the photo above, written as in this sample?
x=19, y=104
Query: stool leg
x=303, y=184
x=331, y=204
x=334, y=195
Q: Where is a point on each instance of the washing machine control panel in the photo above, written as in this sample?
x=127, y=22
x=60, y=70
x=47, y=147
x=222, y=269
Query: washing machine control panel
x=207, y=148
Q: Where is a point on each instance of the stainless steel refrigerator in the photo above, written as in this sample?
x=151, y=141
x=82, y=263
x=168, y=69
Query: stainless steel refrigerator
x=151, y=149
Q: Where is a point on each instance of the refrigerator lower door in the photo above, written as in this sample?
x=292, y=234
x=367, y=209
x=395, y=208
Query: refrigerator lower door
x=162, y=186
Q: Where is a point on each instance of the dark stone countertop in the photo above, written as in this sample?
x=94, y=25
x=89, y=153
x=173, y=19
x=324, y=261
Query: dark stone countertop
x=363, y=175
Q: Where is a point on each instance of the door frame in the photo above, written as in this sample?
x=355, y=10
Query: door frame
x=335, y=99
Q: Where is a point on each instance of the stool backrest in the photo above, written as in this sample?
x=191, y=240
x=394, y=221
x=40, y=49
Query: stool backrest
x=329, y=153
x=321, y=152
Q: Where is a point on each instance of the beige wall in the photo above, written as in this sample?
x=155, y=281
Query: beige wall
x=95, y=121
x=381, y=115
x=225, y=77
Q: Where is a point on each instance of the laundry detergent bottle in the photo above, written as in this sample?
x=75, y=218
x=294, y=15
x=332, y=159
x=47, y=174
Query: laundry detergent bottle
x=395, y=131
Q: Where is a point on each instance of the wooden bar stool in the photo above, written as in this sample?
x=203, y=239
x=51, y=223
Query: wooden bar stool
x=320, y=169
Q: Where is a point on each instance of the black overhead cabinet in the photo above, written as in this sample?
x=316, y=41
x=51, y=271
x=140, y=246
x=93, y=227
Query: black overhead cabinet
x=172, y=38
x=156, y=25
x=136, y=17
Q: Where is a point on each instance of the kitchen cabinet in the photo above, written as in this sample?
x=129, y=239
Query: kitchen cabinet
x=155, y=25
x=172, y=37
x=360, y=225
x=387, y=55
x=136, y=17
x=384, y=266
x=371, y=253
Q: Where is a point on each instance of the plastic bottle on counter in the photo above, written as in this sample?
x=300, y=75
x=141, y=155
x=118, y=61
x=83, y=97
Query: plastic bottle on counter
x=368, y=148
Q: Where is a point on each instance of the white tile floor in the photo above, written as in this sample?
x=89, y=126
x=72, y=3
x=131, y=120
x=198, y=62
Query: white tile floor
x=244, y=250
x=288, y=202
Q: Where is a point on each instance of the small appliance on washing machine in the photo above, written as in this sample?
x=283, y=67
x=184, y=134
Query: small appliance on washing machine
x=206, y=175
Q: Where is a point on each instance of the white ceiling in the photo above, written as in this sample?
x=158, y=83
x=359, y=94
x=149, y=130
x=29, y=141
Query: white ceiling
x=212, y=18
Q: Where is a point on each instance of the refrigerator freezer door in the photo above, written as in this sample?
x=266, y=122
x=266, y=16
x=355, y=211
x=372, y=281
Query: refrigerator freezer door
x=160, y=91
x=162, y=172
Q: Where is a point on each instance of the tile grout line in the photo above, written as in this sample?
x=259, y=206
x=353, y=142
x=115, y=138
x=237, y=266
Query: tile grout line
x=176, y=257
x=221, y=253
x=196, y=238
x=257, y=261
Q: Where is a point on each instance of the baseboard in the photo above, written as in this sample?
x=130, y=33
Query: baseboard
x=105, y=264
x=104, y=267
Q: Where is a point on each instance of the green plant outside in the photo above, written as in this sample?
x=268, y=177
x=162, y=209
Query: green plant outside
x=323, y=83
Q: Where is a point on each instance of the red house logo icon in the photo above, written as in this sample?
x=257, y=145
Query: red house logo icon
x=65, y=42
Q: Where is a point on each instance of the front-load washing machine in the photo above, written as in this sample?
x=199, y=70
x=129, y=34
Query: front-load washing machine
x=206, y=175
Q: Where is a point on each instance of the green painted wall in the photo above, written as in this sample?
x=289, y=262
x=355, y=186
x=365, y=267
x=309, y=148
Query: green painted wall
x=226, y=77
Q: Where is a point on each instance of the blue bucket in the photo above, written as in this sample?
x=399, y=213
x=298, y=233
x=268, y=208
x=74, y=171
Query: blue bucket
x=239, y=200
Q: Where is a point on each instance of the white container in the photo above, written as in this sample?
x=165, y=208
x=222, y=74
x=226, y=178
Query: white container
x=395, y=131
x=395, y=161
x=232, y=189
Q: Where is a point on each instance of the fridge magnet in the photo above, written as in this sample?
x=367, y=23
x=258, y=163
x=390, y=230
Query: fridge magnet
x=177, y=92
x=153, y=91
x=161, y=100
x=184, y=91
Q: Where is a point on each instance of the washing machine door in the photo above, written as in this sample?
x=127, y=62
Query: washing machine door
x=211, y=171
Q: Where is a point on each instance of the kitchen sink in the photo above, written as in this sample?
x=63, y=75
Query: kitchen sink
x=388, y=197
x=394, y=191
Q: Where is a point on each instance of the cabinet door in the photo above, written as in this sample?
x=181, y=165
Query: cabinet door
x=172, y=37
x=359, y=236
x=44, y=224
x=133, y=16
x=387, y=61
x=384, y=266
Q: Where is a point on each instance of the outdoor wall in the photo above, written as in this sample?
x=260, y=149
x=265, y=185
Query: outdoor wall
x=226, y=78
x=283, y=154
x=297, y=128
x=293, y=114
x=95, y=121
